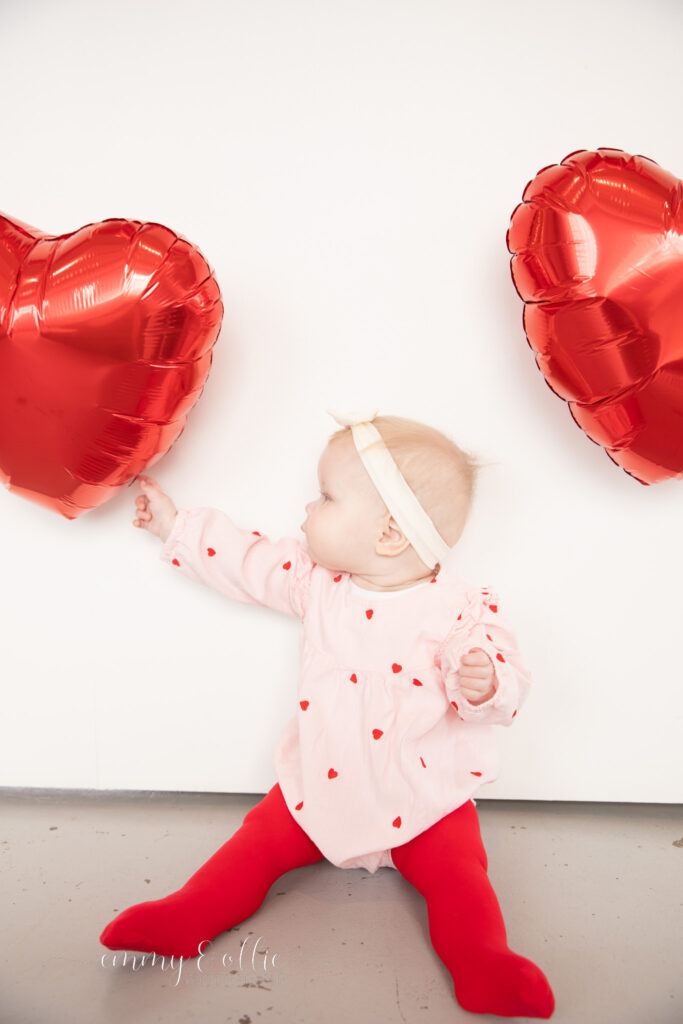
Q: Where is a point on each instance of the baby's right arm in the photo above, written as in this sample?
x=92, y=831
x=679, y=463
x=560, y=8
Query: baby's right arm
x=205, y=545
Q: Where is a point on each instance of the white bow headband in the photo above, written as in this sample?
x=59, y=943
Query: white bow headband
x=393, y=487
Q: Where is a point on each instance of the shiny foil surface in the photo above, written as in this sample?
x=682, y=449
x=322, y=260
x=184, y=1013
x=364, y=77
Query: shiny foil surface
x=598, y=260
x=106, y=338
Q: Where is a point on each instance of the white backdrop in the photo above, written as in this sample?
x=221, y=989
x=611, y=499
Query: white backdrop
x=349, y=170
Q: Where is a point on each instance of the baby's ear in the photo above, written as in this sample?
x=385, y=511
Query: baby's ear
x=388, y=545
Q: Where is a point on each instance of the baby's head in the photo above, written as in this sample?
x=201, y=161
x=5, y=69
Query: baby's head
x=350, y=529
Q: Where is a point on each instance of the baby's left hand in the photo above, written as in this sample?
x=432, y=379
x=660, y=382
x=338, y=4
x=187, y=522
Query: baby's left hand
x=477, y=676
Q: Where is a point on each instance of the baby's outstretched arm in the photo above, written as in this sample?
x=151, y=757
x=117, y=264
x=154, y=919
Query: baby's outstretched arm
x=205, y=545
x=155, y=510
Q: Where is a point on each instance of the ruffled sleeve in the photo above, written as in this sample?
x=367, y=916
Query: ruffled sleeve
x=481, y=624
x=205, y=545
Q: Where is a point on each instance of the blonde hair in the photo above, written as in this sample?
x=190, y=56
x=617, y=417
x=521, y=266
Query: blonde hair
x=440, y=473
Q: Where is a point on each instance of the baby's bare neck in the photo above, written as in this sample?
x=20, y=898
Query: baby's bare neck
x=377, y=583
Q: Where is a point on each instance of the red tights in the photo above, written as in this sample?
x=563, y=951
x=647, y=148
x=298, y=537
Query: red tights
x=446, y=863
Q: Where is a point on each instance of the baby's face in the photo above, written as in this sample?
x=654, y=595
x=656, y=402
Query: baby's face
x=342, y=525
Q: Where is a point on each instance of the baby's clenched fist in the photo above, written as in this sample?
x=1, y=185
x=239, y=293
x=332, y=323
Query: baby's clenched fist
x=477, y=676
x=155, y=510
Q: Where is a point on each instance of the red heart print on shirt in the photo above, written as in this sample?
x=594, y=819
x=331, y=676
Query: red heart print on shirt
x=369, y=613
x=396, y=668
x=332, y=774
x=397, y=822
x=106, y=338
x=377, y=733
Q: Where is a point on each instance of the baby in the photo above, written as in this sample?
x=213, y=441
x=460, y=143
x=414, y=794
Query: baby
x=405, y=668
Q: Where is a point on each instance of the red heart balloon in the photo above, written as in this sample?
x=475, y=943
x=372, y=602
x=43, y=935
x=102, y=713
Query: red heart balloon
x=598, y=260
x=106, y=339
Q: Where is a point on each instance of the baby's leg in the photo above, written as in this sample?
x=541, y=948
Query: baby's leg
x=447, y=863
x=228, y=888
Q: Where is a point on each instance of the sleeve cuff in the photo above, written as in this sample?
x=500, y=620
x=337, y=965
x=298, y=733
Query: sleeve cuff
x=179, y=524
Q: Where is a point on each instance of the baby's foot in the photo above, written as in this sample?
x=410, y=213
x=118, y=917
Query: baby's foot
x=174, y=926
x=503, y=983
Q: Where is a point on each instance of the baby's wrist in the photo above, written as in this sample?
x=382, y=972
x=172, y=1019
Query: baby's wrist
x=167, y=529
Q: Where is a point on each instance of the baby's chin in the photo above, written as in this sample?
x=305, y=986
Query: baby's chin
x=322, y=561
x=324, y=564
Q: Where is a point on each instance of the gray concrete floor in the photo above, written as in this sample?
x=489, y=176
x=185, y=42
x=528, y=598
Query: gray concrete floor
x=591, y=892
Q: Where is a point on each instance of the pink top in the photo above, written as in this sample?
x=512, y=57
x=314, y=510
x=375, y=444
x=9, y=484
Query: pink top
x=383, y=743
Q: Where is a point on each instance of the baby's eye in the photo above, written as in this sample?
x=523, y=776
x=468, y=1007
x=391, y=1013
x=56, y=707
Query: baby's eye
x=325, y=496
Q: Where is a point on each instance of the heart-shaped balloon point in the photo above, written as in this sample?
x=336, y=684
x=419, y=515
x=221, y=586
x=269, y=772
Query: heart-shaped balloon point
x=597, y=247
x=106, y=339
